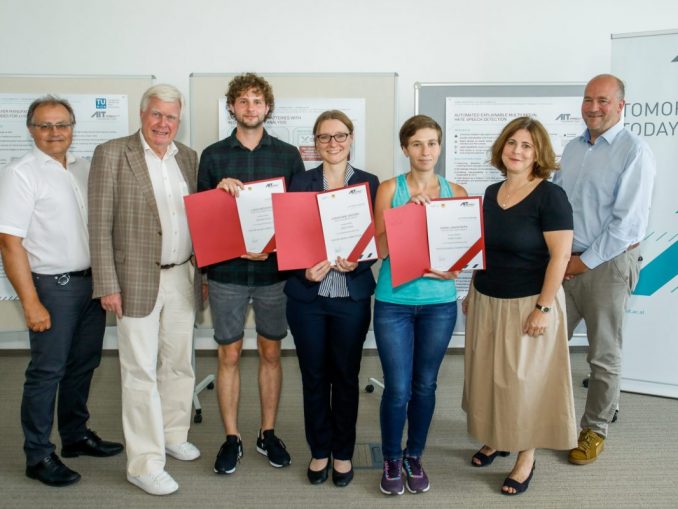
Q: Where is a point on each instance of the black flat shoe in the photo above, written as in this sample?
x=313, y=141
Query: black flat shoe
x=91, y=445
x=52, y=472
x=342, y=479
x=486, y=460
x=318, y=476
x=520, y=487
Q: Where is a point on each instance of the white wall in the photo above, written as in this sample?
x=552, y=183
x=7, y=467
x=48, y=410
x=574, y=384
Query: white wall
x=428, y=41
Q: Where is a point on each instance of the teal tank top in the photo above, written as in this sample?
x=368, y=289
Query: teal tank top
x=422, y=290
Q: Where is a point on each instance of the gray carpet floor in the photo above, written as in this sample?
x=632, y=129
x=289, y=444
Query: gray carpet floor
x=637, y=469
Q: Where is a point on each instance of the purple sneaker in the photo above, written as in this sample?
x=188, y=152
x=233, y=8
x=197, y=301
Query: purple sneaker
x=392, y=480
x=417, y=480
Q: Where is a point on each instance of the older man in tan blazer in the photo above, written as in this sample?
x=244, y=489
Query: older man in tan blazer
x=141, y=263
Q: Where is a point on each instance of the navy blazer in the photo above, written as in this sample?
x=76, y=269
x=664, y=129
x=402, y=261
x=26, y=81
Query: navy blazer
x=360, y=281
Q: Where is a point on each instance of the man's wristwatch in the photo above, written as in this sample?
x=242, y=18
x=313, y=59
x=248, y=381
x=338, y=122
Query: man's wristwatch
x=543, y=309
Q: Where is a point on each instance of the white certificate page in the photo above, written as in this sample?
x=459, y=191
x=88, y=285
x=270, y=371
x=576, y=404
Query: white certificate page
x=345, y=214
x=453, y=227
x=255, y=210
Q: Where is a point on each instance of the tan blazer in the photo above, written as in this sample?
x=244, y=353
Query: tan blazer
x=124, y=225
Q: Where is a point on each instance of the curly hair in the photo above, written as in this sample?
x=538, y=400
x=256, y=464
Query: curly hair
x=250, y=81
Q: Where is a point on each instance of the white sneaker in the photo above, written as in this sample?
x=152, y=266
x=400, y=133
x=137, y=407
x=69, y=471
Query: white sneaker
x=184, y=452
x=158, y=483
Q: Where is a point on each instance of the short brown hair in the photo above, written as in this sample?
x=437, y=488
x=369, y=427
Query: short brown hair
x=545, y=158
x=413, y=124
x=243, y=83
x=49, y=100
x=333, y=115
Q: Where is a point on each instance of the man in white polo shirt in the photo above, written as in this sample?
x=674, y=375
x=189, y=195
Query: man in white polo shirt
x=44, y=244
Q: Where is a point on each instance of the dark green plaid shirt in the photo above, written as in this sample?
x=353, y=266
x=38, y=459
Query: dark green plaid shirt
x=229, y=158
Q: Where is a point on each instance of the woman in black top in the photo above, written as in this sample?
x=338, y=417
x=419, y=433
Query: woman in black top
x=517, y=382
x=329, y=312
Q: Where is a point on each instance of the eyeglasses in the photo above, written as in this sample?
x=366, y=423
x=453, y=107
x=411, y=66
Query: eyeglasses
x=47, y=127
x=339, y=137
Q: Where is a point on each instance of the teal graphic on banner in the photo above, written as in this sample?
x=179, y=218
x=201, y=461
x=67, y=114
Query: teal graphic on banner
x=658, y=272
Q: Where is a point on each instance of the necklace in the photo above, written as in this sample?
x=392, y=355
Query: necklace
x=504, y=204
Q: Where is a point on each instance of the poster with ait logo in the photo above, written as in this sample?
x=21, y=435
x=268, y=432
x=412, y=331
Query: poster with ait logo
x=473, y=123
x=98, y=118
x=648, y=65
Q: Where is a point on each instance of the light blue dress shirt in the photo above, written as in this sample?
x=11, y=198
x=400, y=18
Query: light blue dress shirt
x=609, y=184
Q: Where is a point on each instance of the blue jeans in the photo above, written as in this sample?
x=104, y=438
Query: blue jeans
x=412, y=341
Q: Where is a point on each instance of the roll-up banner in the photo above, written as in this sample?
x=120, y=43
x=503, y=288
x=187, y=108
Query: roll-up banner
x=647, y=62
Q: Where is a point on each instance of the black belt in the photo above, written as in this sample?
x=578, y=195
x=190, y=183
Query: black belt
x=63, y=278
x=170, y=265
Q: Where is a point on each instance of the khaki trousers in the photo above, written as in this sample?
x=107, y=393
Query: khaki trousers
x=157, y=374
x=599, y=297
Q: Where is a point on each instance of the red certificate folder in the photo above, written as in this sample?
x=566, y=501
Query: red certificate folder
x=407, y=240
x=298, y=231
x=299, y=236
x=215, y=226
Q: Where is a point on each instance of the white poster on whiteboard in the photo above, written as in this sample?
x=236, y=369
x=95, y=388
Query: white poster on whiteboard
x=473, y=123
x=651, y=111
x=98, y=117
x=292, y=121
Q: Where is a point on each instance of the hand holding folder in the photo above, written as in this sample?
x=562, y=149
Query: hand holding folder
x=311, y=227
x=452, y=232
x=223, y=227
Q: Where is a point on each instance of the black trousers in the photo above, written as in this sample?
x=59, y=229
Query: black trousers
x=63, y=360
x=329, y=336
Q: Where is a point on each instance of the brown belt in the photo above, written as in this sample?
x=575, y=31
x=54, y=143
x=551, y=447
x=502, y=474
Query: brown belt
x=632, y=246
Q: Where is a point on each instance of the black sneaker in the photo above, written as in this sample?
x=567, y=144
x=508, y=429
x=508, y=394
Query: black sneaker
x=229, y=455
x=272, y=447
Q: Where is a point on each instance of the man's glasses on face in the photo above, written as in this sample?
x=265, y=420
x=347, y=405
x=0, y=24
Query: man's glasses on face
x=47, y=127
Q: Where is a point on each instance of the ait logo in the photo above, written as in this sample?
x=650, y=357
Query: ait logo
x=563, y=116
x=100, y=104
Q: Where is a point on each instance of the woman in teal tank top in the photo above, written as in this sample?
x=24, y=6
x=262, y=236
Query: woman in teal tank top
x=413, y=322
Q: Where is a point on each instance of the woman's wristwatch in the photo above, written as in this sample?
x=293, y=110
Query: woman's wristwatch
x=543, y=309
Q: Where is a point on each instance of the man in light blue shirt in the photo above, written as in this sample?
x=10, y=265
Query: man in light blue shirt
x=608, y=174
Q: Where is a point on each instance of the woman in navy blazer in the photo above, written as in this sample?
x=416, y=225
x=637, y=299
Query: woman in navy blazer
x=329, y=312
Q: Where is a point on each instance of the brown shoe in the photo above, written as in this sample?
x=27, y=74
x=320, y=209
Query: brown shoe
x=591, y=444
